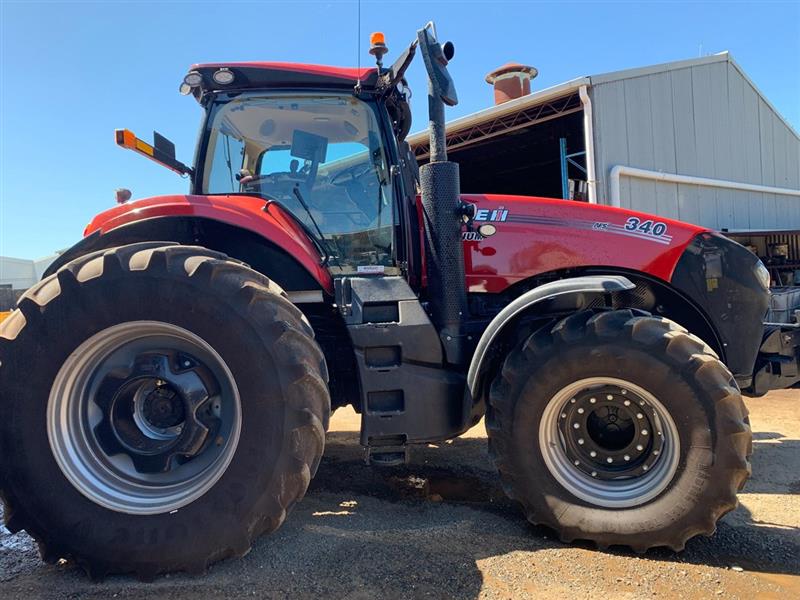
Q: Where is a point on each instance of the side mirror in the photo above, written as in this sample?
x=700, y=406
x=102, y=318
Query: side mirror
x=161, y=150
x=436, y=58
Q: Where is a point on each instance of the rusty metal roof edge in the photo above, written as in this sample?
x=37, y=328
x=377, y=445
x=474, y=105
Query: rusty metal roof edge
x=509, y=107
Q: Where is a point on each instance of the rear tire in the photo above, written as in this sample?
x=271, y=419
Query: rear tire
x=262, y=428
x=621, y=429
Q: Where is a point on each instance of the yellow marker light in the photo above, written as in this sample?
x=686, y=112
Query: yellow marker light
x=125, y=138
x=144, y=147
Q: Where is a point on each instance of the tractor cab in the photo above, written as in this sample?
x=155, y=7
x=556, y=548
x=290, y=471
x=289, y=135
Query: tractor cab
x=322, y=145
x=320, y=156
x=317, y=143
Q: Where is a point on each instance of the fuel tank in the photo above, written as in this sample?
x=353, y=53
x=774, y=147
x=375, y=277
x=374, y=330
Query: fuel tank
x=513, y=238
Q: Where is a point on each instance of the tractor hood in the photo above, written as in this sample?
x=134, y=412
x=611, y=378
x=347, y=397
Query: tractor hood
x=532, y=236
x=247, y=212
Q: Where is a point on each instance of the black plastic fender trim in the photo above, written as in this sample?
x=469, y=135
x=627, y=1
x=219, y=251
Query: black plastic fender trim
x=590, y=284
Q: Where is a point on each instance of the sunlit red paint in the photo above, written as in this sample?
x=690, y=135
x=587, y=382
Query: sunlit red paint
x=555, y=237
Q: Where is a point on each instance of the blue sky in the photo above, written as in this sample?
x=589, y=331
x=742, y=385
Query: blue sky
x=72, y=72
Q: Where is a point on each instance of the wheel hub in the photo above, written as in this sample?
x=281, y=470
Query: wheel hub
x=153, y=411
x=610, y=432
x=144, y=417
x=609, y=442
x=162, y=408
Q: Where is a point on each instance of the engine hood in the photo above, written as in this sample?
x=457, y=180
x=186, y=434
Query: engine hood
x=534, y=236
x=243, y=211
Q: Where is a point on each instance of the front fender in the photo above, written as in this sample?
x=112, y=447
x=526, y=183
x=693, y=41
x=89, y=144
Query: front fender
x=590, y=285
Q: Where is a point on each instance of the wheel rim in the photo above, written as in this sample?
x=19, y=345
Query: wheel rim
x=144, y=417
x=609, y=442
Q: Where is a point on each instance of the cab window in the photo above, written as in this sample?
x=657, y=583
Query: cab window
x=325, y=149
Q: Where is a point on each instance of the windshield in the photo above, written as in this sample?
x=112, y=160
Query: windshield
x=321, y=151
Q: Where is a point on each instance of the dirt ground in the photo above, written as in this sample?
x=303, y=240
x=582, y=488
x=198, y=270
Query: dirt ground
x=441, y=528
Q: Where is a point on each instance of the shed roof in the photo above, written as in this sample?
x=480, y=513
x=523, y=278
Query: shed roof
x=572, y=85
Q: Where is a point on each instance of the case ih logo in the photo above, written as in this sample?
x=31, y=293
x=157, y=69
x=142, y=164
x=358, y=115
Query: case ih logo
x=484, y=214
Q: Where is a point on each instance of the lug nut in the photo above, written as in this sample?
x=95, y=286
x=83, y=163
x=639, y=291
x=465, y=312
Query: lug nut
x=609, y=397
x=639, y=416
x=577, y=462
x=592, y=453
x=644, y=431
x=639, y=447
x=580, y=411
x=592, y=400
x=645, y=467
x=576, y=425
x=580, y=441
x=609, y=460
x=626, y=457
x=594, y=473
x=655, y=452
x=572, y=401
x=624, y=392
x=563, y=415
x=627, y=403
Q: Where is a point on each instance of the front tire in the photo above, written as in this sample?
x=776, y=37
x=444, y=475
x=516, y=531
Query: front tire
x=619, y=428
x=160, y=407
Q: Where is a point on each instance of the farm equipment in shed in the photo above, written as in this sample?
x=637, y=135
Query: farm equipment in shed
x=166, y=388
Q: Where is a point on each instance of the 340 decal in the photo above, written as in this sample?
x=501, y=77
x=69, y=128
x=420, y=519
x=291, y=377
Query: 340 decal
x=649, y=227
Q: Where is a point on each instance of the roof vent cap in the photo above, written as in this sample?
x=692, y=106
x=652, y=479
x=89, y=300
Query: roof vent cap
x=511, y=81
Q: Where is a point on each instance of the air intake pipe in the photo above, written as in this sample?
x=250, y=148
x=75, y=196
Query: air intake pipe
x=442, y=206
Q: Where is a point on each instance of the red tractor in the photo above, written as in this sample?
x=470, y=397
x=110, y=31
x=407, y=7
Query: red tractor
x=165, y=389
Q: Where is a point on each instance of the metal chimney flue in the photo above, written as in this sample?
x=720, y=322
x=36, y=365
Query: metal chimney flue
x=511, y=81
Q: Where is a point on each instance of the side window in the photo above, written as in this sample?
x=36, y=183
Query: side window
x=340, y=150
x=278, y=160
x=228, y=157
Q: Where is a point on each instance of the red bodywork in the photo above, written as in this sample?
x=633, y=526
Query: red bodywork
x=533, y=235
x=349, y=74
x=541, y=235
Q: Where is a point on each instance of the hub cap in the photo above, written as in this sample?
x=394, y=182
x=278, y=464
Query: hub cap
x=609, y=442
x=144, y=417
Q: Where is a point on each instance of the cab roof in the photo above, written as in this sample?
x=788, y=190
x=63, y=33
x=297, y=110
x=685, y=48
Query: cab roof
x=255, y=75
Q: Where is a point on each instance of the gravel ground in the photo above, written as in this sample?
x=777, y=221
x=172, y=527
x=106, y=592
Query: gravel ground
x=441, y=527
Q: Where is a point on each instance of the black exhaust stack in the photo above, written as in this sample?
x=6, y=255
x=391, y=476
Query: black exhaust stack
x=442, y=206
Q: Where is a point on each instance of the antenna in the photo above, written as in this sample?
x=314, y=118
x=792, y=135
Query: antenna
x=358, y=58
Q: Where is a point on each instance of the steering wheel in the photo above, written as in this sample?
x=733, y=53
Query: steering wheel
x=353, y=173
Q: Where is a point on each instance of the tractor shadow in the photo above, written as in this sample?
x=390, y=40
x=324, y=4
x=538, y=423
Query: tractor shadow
x=430, y=528
x=460, y=473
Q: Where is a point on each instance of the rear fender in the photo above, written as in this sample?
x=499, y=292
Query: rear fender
x=268, y=221
x=260, y=253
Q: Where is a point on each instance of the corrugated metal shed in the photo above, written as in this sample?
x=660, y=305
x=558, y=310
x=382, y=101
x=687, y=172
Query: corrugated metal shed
x=701, y=117
x=697, y=118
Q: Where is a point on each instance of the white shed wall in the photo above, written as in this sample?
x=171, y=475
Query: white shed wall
x=21, y=273
x=701, y=118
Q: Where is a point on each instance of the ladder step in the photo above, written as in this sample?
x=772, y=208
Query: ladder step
x=387, y=456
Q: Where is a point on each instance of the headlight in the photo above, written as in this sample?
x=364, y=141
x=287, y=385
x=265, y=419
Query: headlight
x=762, y=274
x=193, y=79
x=224, y=76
